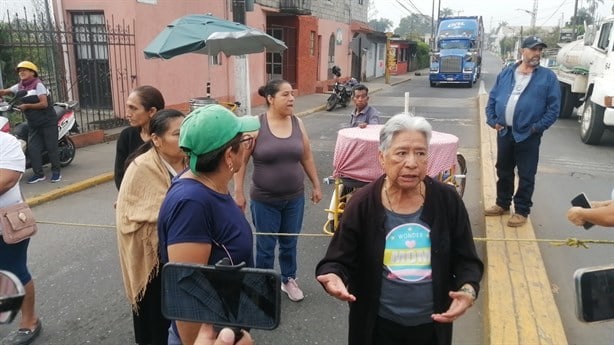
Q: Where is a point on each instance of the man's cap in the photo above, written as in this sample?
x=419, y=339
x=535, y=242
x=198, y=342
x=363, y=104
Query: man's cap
x=208, y=128
x=532, y=42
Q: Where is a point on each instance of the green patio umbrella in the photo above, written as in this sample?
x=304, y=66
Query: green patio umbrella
x=210, y=35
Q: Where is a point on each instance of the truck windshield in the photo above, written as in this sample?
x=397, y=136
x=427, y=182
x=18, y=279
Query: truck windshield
x=455, y=44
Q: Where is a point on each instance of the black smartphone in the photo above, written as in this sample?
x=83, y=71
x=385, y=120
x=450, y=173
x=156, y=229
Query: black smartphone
x=595, y=293
x=582, y=201
x=230, y=297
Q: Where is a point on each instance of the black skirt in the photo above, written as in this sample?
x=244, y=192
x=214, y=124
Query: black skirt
x=150, y=327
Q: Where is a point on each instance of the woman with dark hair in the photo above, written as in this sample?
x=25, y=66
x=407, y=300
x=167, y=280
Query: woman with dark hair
x=282, y=156
x=145, y=183
x=143, y=102
x=199, y=221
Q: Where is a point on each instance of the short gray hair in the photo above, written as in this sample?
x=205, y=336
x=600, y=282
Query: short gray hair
x=400, y=123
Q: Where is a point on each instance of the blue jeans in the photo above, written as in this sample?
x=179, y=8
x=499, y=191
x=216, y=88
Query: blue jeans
x=14, y=258
x=524, y=156
x=285, y=216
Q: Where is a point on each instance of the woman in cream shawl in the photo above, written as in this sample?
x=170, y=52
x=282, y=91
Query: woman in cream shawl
x=142, y=191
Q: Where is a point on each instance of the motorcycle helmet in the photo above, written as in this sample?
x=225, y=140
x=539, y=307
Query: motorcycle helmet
x=336, y=70
x=29, y=65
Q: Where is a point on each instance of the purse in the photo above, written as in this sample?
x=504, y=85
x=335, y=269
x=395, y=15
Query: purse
x=18, y=223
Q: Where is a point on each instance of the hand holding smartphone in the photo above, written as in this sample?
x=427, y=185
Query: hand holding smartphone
x=242, y=298
x=582, y=201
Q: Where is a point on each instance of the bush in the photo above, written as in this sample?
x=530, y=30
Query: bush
x=423, y=57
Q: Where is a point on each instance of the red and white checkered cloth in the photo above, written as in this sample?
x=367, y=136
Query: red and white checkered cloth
x=356, y=153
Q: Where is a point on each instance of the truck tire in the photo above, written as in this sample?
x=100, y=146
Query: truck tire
x=469, y=85
x=433, y=84
x=569, y=101
x=591, y=125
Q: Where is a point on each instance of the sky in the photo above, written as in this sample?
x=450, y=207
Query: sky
x=549, y=12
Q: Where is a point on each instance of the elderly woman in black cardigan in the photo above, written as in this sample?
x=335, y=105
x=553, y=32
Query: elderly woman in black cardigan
x=404, y=256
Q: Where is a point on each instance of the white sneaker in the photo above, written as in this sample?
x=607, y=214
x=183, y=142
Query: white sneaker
x=291, y=288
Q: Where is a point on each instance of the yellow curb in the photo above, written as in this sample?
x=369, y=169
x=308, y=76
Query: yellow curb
x=520, y=306
x=311, y=111
x=72, y=188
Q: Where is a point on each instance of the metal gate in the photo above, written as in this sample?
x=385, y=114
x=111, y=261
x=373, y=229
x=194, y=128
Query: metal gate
x=92, y=60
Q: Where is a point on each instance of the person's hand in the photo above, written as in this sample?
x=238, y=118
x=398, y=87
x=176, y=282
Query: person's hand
x=498, y=127
x=461, y=301
x=208, y=336
x=335, y=287
x=362, y=125
x=23, y=107
x=240, y=200
x=574, y=214
x=316, y=195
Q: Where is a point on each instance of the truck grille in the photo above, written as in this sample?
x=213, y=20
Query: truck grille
x=451, y=64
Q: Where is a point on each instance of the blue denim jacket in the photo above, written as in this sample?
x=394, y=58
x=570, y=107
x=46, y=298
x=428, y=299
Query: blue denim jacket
x=537, y=108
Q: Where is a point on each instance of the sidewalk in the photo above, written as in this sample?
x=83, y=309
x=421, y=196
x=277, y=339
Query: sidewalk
x=93, y=164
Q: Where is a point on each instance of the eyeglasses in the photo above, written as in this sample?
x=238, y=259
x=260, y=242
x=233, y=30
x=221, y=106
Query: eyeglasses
x=247, y=141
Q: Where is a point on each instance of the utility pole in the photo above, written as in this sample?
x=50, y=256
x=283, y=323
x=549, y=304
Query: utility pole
x=241, y=65
x=534, y=15
x=432, y=25
x=574, y=34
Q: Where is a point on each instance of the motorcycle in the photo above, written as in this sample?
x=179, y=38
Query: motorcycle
x=342, y=92
x=67, y=124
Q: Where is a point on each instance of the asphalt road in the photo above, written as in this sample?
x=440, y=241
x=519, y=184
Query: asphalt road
x=79, y=290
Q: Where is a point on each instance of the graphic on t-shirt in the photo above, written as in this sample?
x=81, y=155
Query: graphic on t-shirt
x=407, y=254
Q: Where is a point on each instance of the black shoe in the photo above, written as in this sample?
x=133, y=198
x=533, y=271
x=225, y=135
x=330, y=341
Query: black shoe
x=23, y=336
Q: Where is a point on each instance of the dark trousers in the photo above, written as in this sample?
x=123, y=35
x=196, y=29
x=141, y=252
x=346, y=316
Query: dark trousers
x=39, y=140
x=524, y=156
x=391, y=333
x=150, y=327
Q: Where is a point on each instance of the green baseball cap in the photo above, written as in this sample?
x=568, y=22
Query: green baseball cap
x=208, y=128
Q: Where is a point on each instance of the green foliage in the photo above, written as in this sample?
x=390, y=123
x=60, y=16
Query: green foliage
x=415, y=25
x=422, y=54
x=583, y=15
x=381, y=24
x=23, y=40
x=446, y=12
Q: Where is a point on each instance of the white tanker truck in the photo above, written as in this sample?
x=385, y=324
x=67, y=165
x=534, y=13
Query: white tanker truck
x=586, y=77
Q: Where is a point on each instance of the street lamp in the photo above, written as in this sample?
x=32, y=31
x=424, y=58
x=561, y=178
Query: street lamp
x=533, y=14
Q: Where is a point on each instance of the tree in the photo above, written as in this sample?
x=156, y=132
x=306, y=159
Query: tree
x=446, y=12
x=592, y=7
x=583, y=15
x=422, y=54
x=381, y=24
x=415, y=25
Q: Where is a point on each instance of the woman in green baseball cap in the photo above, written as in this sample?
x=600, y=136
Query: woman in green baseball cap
x=199, y=221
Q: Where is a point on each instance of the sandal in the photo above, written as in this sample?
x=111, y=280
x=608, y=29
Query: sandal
x=23, y=336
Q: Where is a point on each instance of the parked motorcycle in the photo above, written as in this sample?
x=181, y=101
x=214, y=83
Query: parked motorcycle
x=342, y=92
x=67, y=124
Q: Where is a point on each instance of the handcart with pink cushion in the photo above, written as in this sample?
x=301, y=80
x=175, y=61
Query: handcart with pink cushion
x=356, y=163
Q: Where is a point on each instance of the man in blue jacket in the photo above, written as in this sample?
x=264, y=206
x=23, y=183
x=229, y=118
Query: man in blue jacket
x=522, y=104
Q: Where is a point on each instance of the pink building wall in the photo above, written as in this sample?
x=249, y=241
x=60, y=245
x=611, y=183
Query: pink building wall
x=326, y=28
x=182, y=77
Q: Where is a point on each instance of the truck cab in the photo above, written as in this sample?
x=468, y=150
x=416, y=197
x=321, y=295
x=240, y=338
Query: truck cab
x=586, y=78
x=457, y=55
